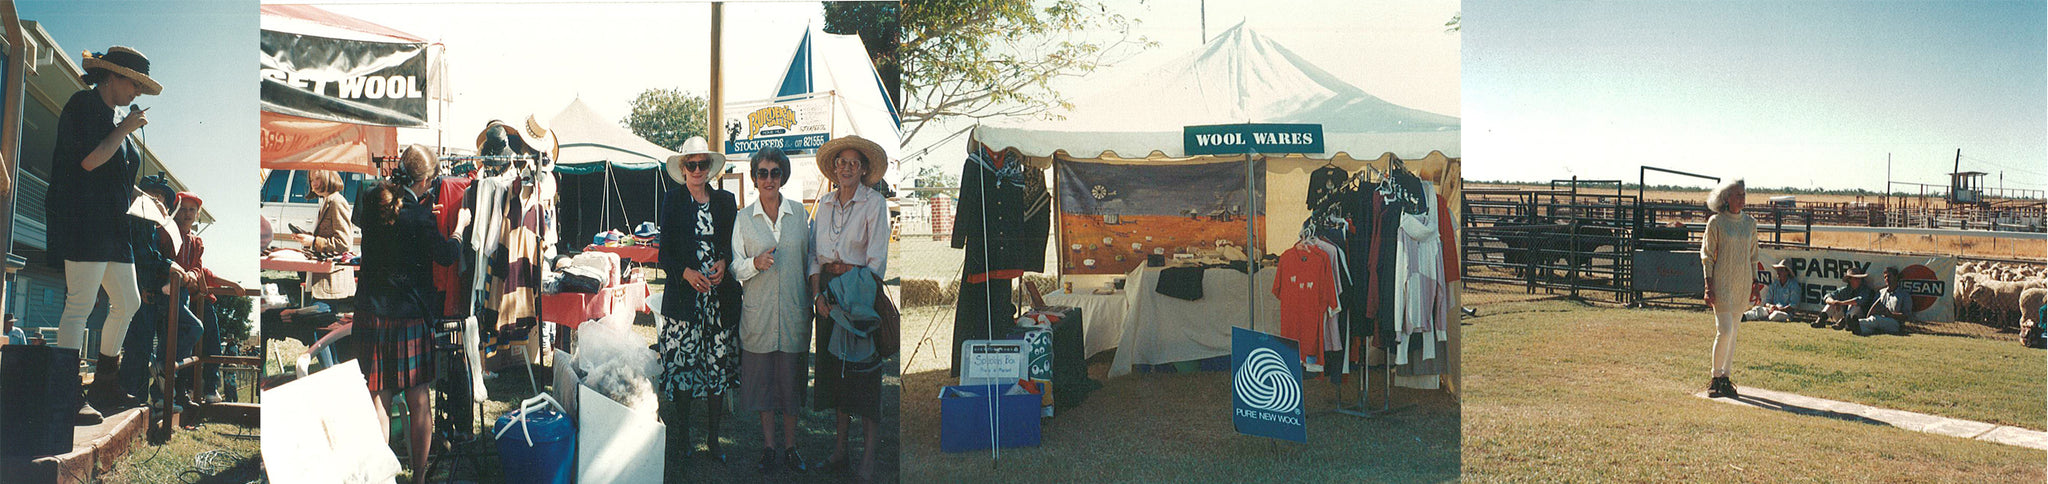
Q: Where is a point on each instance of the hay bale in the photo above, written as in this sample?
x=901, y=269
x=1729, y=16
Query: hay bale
x=922, y=292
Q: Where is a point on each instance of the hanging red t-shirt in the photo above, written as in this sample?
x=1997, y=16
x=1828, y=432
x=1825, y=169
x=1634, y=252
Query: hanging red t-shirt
x=1307, y=291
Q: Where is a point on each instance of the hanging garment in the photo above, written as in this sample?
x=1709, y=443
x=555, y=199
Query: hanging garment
x=1323, y=183
x=1307, y=292
x=449, y=280
x=1004, y=216
x=1420, y=301
x=1333, y=317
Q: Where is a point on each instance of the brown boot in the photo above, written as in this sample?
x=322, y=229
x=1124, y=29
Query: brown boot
x=105, y=391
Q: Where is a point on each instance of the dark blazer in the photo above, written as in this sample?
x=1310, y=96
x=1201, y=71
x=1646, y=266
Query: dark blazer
x=679, y=237
x=1009, y=202
x=396, y=279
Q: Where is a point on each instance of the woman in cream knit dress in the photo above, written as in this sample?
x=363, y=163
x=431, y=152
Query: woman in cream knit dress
x=1728, y=256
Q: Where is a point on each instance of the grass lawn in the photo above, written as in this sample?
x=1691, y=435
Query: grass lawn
x=1176, y=428
x=215, y=452
x=1571, y=392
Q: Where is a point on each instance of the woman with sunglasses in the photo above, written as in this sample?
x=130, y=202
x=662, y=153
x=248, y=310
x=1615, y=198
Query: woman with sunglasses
x=851, y=231
x=770, y=242
x=699, y=341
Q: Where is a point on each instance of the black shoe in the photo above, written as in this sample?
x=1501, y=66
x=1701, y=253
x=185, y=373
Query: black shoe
x=1819, y=324
x=1720, y=388
x=795, y=462
x=767, y=464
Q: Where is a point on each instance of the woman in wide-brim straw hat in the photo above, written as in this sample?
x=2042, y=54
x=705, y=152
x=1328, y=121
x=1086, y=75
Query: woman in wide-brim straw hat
x=1727, y=257
x=699, y=340
x=91, y=174
x=851, y=230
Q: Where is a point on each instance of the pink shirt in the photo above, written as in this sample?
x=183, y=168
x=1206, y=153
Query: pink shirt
x=855, y=232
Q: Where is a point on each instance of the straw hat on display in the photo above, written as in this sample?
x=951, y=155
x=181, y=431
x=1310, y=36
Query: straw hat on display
x=538, y=136
x=878, y=160
x=696, y=145
x=128, y=63
x=534, y=135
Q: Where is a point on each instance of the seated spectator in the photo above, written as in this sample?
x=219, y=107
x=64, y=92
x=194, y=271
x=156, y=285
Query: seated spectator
x=14, y=334
x=1892, y=307
x=1848, y=304
x=1779, y=297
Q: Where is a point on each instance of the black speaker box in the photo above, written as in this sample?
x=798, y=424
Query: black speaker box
x=38, y=399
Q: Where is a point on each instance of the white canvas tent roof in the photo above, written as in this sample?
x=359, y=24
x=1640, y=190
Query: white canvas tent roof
x=588, y=139
x=1240, y=77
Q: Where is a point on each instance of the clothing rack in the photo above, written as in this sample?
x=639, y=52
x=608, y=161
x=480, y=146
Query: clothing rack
x=1363, y=406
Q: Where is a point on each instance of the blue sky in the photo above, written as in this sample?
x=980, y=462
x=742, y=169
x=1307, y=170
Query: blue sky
x=204, y=125
x=1799, y=94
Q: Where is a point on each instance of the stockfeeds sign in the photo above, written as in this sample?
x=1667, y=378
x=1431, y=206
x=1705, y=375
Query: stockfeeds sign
x=346, y=81
x=798, y=125
x=1931, y=280
x=1265, y=376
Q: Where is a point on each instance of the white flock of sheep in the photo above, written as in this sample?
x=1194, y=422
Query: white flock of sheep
x=2000, y=291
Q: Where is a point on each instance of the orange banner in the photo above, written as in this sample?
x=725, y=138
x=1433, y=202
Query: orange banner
x=295, y=143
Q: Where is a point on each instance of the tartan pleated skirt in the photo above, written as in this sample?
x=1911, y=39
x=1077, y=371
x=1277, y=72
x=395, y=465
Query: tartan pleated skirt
x=394, y=353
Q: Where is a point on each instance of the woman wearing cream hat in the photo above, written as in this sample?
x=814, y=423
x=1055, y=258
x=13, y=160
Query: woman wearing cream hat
x=699, y=341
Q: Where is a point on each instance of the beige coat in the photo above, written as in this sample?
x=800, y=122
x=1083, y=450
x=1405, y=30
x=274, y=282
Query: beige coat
x=333, y=232
x=1728, y=256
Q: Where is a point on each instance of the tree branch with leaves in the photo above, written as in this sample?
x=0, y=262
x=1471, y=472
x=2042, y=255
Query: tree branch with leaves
x=984, y=59
x=667, y=117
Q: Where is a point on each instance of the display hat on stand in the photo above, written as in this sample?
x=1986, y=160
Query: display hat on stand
x=539, y=137
x=125, y=62
x=878, y=160
x=534, y=135
x=696, y=145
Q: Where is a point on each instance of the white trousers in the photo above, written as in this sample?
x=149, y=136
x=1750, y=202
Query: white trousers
x=1761, y=313
x=82, y=284
x=1724, y=340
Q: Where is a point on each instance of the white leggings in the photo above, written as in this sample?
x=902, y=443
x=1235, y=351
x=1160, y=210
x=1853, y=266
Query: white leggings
x=1724, y=340
x=82, y=284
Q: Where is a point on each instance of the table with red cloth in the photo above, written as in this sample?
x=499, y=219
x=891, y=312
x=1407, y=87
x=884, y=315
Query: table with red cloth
x=643, y=254
x=571, y=309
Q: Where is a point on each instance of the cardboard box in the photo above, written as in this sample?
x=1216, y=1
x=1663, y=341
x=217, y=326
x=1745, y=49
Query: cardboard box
x=616, y=444
x=964, y=417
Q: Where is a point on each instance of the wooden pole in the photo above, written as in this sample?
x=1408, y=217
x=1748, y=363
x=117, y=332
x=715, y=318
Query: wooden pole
x=715, y=101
